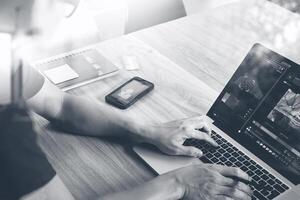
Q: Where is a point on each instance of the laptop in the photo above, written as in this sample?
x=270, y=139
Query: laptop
x=256, y=122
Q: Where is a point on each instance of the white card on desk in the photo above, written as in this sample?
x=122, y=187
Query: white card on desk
x=61, y=74
x=131, y=62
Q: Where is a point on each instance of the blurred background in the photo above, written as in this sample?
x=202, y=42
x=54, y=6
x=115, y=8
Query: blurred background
x=100, y=20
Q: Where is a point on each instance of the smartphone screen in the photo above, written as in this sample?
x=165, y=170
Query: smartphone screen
x=129, y=92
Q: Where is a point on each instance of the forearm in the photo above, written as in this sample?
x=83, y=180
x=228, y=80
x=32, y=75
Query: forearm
x=89, y=117
x=160, y=188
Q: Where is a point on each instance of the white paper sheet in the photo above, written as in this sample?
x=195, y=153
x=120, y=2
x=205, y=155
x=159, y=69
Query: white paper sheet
x=61, y=74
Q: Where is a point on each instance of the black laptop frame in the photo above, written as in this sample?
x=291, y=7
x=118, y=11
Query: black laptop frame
x=237, y=128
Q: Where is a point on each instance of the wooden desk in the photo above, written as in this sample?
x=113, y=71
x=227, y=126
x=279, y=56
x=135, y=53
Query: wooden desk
x=189, y=60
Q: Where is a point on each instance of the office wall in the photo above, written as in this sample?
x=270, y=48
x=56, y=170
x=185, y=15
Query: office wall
x=131, y=15
x=110, y=16
x=99, y=20
x=196, y=6
x=145, y=13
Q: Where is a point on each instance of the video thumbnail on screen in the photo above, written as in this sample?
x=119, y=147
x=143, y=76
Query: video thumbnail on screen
x=286, y=114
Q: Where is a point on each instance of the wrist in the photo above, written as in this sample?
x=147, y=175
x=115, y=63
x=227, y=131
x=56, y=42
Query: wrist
x=141, y=132
x=168, y=187
x=163, y=187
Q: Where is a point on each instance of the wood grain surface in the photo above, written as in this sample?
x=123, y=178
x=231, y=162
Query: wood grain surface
x=189, y=61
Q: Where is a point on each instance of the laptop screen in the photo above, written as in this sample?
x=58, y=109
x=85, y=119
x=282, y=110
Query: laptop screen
x=260, y=108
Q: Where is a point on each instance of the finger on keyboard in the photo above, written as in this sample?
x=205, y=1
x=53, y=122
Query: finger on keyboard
x=233, y=172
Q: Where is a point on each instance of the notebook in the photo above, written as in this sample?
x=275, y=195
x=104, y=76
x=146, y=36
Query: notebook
x=75, y=69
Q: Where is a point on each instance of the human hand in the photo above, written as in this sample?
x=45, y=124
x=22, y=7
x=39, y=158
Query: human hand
x=170, y=137
x=211, y=182
x=196, y=182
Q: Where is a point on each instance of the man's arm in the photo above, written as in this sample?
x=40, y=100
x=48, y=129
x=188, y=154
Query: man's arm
x=160, y=188
x=194, y=182
x=199, y=182
x=93, y=118
x=82, y=115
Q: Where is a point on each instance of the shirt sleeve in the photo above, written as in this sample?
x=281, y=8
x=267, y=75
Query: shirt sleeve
x=33, y=81
x=24, y=167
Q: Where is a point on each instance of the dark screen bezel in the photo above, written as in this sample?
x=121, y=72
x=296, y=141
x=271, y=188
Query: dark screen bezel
x=234, y=133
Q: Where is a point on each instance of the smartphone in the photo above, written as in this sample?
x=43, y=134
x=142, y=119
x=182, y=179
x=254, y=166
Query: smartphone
x=129, y=93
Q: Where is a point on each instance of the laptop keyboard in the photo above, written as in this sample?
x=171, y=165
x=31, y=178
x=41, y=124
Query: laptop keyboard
x=264, y=185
